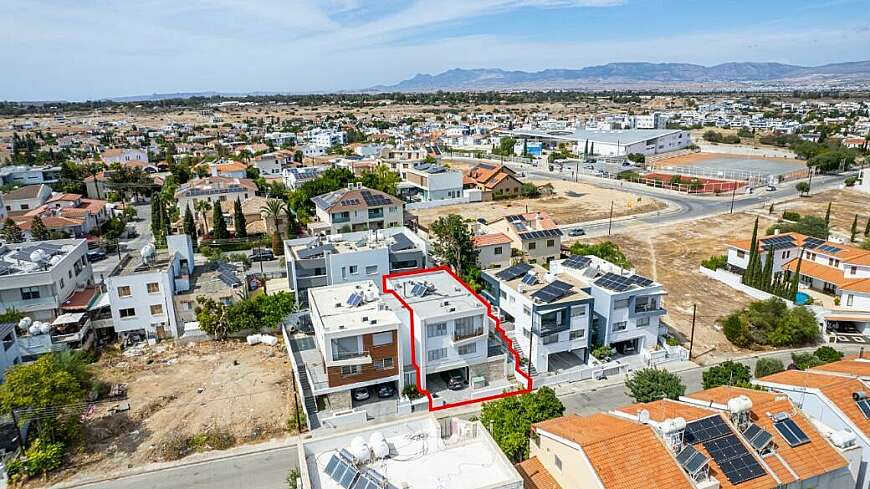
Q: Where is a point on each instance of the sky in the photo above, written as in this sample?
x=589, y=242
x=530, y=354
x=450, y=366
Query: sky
x=91, y=49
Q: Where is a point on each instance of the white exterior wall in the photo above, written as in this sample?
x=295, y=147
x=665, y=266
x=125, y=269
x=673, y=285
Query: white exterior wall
x=863, y=183
x=605, y=305
x=860, y=300
x=738, y=258
x=338, y=266
x=487, y=257
x=453, y=359
x=268, y=166
x=141, y=300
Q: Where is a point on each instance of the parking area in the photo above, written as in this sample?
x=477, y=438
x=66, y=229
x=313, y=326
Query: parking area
x=564, y=360
x=853, y=338
x=375, y=405
x=437, y=385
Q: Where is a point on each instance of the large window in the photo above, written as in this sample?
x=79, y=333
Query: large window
x=620, y=304
x=577, y=334
x=435, y=330
x=578, y=311
x=156, y=309
x=127, y=313
x=641, y=322
x=124, y=291
x=346, y=347
x=28, y=293
x=468, y=349
x=436, y=354
x=464, y=328
x=551, y=338
x=381, y=339
x=350, y=370
x=383, y=363
x=620, y=326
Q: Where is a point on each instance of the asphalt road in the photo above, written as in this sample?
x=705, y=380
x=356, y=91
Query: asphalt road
x=143, y=228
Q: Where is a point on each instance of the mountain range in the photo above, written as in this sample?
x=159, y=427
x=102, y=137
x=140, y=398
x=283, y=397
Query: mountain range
x=639, y=75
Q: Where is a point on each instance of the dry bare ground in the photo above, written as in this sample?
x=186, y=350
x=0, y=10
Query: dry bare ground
x=571, y=203
x=217, y=394
x=844, y=205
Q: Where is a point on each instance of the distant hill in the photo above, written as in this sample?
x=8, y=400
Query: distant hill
x=614, y=75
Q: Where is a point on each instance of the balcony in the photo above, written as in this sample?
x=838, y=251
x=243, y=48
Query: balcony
x=462, y=337
x=376, y=213
x=345, y=358
x=648, y=309
x=550, y=329
x=340, y=218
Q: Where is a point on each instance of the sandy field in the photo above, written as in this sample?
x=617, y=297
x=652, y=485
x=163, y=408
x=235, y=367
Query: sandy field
x=571, y=203
x=177, y=392
x=845, y=204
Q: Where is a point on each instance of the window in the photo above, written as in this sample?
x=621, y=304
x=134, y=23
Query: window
x=850, y=299
x=62, y=284
x=620, y=304
x=578, y=311
x=497, y=250
x=464, y=327
x=642, y=322
x=620, y=326
x=353, y=269
x=381, y=339
x=24, y=207
x=435, y=330
x=436, y=354
x=383, y=363
x=577, y=334
x=468, y=349
x=28, y=293
x=853, y=270
x=558, y=462
x=551, y=243
x=127, y=313
x=532, y=246
x=153, y=288
x=371, y=269
x=350, y=370
x=344, y=348
x=186, y=306
x=741, y=254
x=527, y=311
x=551, y=338
x=156, y=309
x=526, y=333
x=503, y=294
x=124, y=291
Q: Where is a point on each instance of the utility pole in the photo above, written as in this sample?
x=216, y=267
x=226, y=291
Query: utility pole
x=20, y=437
x=810, y=182
x=610, y=221
x=692, y=335
x=733, y=194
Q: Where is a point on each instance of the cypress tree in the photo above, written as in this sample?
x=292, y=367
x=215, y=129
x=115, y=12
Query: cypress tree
x=767, y=273
x=219, y=227
x=867, y=227
x=854, y=228
x=796, y=277
x=828, y=215
x=157, y=228
x=38, y=231
x=190, y=226
x=749, y=273
x=239, y=220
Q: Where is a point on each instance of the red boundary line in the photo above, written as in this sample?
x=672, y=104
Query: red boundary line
x=489, y=313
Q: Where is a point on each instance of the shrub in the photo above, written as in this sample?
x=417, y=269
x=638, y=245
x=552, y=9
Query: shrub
x=510, y=419
x=672, y=341
x=628, y=175
x=715, y=262
x=768, y=366
x=651, y=384
x=828, y=354
x=851, y=181
x=636, y=157
x=293, y=479
x=410, y=391
x=803, y=361
x=601, y=352
x=727, y=373
x=43, y=456
x=297, y=422
x=736, y=329
x=791, y=216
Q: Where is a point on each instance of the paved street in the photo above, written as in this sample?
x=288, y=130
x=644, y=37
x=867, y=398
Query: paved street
x=143, y=229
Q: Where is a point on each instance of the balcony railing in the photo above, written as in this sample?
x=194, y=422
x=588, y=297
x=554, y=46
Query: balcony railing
x=548, y=329
x=339, y=356
x=336, y=219
x=376, y=215
x=464, y=335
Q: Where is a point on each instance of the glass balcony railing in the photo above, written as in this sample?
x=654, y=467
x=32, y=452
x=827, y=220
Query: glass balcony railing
x=466, y=334
x=348, y=355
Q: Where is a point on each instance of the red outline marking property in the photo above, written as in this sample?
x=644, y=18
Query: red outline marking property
x=489, y=313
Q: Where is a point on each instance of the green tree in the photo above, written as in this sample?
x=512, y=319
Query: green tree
x=796, y=277
x=751, y=273
x=808, y=225
x=239, y=220
x=11, y=232
x=766, y=282
x=381, y=178
x=768, y=366
x=828, y=354
x=212, y=317
x=38, y=231
x=606, y=250
x=803, y=188
x=828, y=215
x=803, y=361
x=509, y=420
x=867, y=228
x=273, y=309
x=219, y=223
x=202, y=207
x=727, y=373
x=273, y=209
x=650, y=384
x=157, y=225
x=454, y=243
x=190, y=226
x=854, y=229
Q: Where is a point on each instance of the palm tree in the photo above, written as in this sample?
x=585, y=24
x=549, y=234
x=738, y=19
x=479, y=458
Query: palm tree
x=202, y=207
x=273, y=210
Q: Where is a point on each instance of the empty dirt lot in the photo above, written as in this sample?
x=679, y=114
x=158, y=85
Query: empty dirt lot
x=844, y=205
x=570, y=203
x=178, y=394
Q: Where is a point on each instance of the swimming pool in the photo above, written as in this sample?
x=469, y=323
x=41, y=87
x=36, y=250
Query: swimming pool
x=801, y=298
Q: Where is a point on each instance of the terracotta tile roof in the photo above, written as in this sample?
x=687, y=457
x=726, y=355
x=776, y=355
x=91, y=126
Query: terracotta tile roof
x=667, y=408
x=80, y=299
x=847, y=253
x=491, y=239
x=624, y=454
x=851, y=365
x=535, y=475
x=856, y=285
x=722, y=394
x=818, y=271
x=65, y=197
x=22, y=193
x=232, y=167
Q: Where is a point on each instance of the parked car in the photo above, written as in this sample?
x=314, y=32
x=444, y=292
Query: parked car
x=96, y=255
x=386, y=391
x=771, y=188
x=262, y=255
x=132, y=233
x=456, y=381
x=361, y=393
x=577, y=232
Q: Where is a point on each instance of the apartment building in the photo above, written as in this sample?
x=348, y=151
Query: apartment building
x=426, y=182
x=10, y=354
x=410, y=453
x=450, y=330
x=551, y=313
x=214, y=189
x=270, y=165
x=123, y=155
x=358, y=343
x=535, y=234
x=837, y=270
x=295, y=177
x=29, y=175
x=355, y=208
x=351, y=257
x=141, y=296
x=719, y=438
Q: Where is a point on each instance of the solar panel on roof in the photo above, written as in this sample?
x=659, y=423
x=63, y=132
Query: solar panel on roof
x=229, y=279
x=371, y=479
x=418, y=290
x=705, y=429
x=529, y=279
x=829, y=249
x=401, y=243
x=733, y=458
x=577, y=262
x=513, y=271
x=354, y=299
x=552, y=292
x=315, y=251
x=544, y=233
x=757, y=437
x=342, y=471
x=812, y=242
x=691, y=460
x=864, y=406
x=373, y=199
x=792, y=433
x=640, y=281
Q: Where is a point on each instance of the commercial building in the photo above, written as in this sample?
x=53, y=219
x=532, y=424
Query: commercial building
x=358, y=343
x=141, y=296
x=420, y=453
x=613, y=143
x=534, y=234
x=449, y=329
x=351, y=257
x=425, y=182
x=551, y=314
x=720, y=438
x=355, y=208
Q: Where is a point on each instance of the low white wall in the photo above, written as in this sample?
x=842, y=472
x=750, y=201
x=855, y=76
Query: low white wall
x=345, y=418
x=437, y=203
x=735, y=281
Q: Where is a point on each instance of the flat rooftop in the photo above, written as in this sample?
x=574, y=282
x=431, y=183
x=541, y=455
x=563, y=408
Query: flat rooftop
x=136, y=264
x=621, y=136
x=593, y=271
x=395, y=239
x=35, y=256
x=419, y=457
x=436, y=293
x=351, y=306
x=528, y=287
